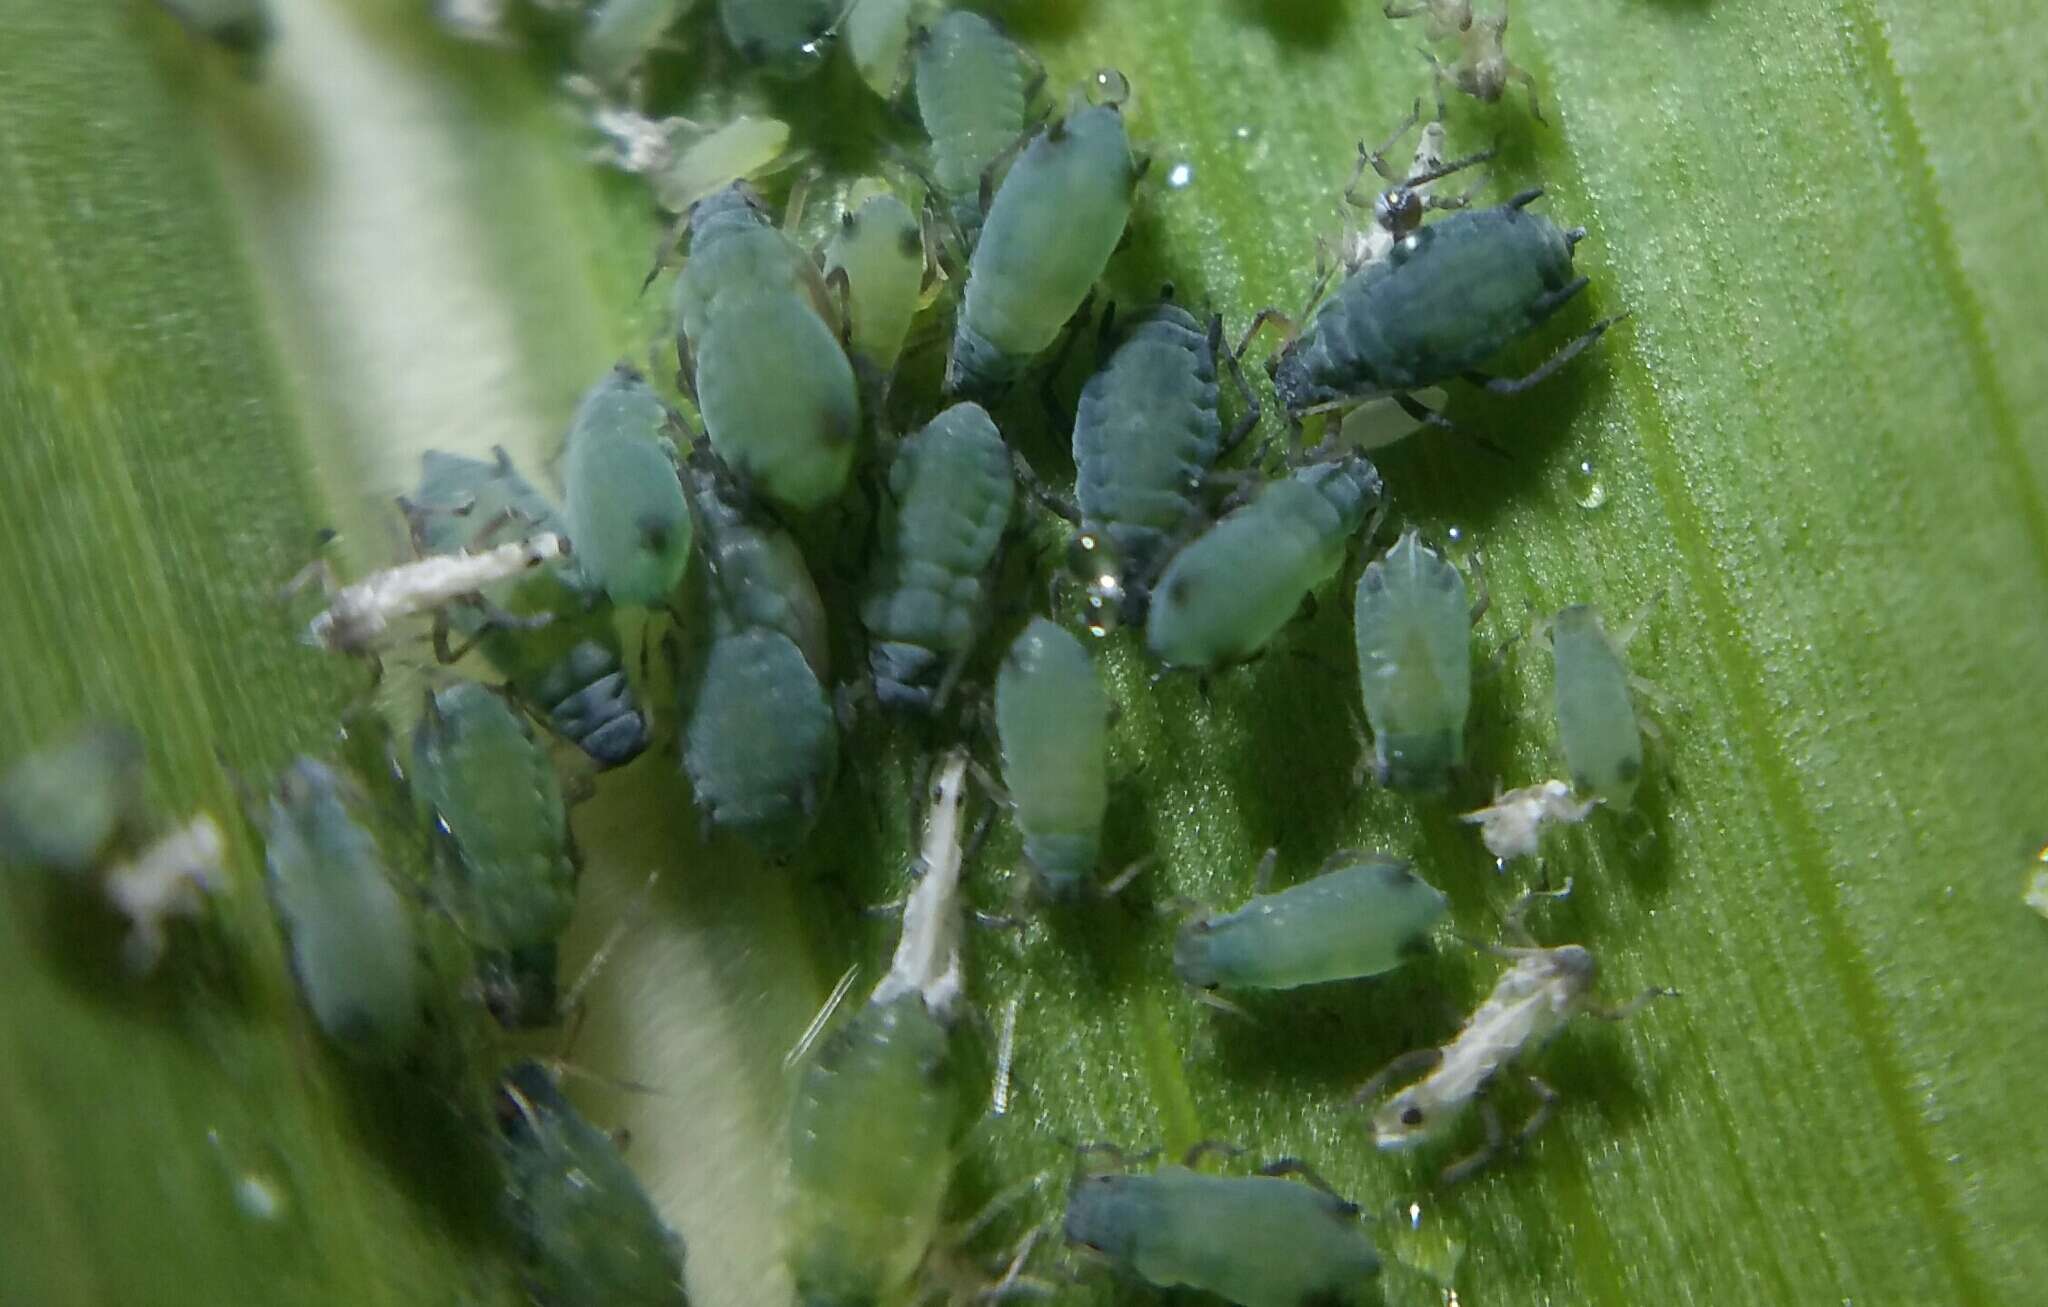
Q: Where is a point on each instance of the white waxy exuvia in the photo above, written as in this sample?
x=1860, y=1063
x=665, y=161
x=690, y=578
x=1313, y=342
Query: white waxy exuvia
x=360, y=615
x=927, y=961
x=1512, y=825
x=170, y=878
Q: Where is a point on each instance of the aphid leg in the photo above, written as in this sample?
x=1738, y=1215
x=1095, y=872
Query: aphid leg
x=1296, y=1167
x=1124, y=1159
x=664, y=250
x=572, y=1003
x=1377, y=159
x=1514, y=924
x=1289, y=328
x=1634, y=1005
x=1049, y=499
x=793, y=207
x=1514, y=385
x=1546, y=1106
x=840, y=288
x=1211, y=998
x=1412, y=1063
x=318, y=571
x=1466, y=1167
x=1048, y=380
x=1438, y=76
x=821, y=1020
x=985, y=193
x=1192, y=1158
x=1116, y=884
x=1262, y=879
x=686, y=368
x=1014, y=1283
x=1528, y=80
x=1234, y=359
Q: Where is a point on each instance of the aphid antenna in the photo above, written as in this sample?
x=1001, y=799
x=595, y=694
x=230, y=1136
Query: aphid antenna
x=1122, y=880
x=635, y=912
x=1412, y=1063
x=1200, y=1149
x=802, y=1047
x=1294, y=1166
x=563, y=1069
x=1514, y=923
x=1013, y=1282
x=1125, y=1159
x=1210, y=998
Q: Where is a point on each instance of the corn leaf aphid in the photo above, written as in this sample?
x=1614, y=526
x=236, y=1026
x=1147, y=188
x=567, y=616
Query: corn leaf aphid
x=877, y=36
x=1232, y=588
x=617, y=34
x=66, y=806
x=871, y=1131
x=359, y=616
x=588, y=1234
x=171, y=877
x=242, y=27
x=950, y=494
x=761, y=355
x=1482, y=70
x=1541, y=992
x=1414, y=632
x=1051, y=228
x=350, y=938
x=1052, y=722
x=505, y=869
x=1146, y=432
x=1449, y=296
x=1361, y=915
x=1512, y=825
x=877, y=255
x=788, y=39
x=751, y=571
x=623, y=492
x=973, y=88
x=1596, y=713
x=571, y=667
x=1257, y=1240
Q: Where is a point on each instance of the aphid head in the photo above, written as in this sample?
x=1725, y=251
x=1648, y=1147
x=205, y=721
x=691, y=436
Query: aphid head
x=1091, y=558
x=1398, y=210
x=1109, y=88
x=1407, y=1120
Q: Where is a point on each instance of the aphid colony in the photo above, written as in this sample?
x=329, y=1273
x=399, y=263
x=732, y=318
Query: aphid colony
x=704, y=530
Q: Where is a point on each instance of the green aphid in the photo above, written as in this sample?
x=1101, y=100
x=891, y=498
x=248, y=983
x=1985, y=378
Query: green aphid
x=571, y=669
x=786, y=39
x=760, y=353
x=876, y=259
x=1052, y=721
x=67, y=807
x=242, y=27
x=950, y=495
x=588, y=1234
x=1596, y=712
x=878, y=41
x=1414, y=631
x=618, y=34
x=1361, y=915
x=876, y=1111
x=350, y=937
x=973, y=89
x=623, y=498
x=752, y=573
x=505, y=866
x=1259, y=1240
x=1054, y=222
x=1232, y=588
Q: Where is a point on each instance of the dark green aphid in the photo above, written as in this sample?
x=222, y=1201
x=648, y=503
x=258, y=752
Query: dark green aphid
x=505, y=867
x=760, y=349
x=1229, y=591
x=244, y=27
x=572, y=669
x=1447, y=297
x=1050, y=231
x=752, y=573
x=1362, y=915
x=950, y=495
x=788, y=39
x=877, y=258
x=1052, y=721
x=67, y=806
x=1414, y=632
x=973, y=88
x=1146, y=432
x=622, y=495
x=588, y=1234
x=617, y=35
x=1596, y=713
x=1259, y=1240
x=350, y=938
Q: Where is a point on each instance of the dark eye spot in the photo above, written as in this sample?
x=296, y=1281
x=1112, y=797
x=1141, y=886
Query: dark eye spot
x=911, y=242
x=1411, y=1116
x=1629, y=769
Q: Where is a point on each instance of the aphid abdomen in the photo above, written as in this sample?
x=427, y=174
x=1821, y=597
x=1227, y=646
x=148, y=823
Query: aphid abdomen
x=1359, y=920
x=623, y=496
x=1053, y=224
x=951, y=492
x=759, y=741
x=1596, y=713
x=871, y=1154
x=972, y=94
x=1413, y=631
x=789, y=39
x=756, y=573
x=1052, y=720
x=588, y=699
x=67, y=806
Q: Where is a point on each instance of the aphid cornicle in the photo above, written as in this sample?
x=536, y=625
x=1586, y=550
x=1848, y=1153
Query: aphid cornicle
x=1051, y=228
x=623, y=494
x=760, y=354
x=1447, y=297
x=788, y=39
x=1596, y=713
x=618, y=34
x=505, y=867
x=1361, y=915
x=589, y=1236
x=1257, y=1240
x=1146, y=432
x=572, y=668
x=877, y=256
x=66, y=806
x=1414, y=634
x=950, y=495
x=973, y=88
x=1052, y=722
x=873, y=1122
x=350, y=938
x=1231, y=589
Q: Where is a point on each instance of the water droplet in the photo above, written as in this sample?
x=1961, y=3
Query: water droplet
x=1179, y=176
x=1245, y=133
x=256, y=1178
x=259, y=1198
x=1459, y=544
x=1585, y=484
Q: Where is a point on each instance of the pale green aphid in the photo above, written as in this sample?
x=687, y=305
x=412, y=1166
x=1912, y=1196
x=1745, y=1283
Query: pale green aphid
x=950, y=495
x=1258, y=1240
x=878, y=40
x=708, y=162
x=877, y=258
x=1052, y=721
x=789, y=39
x=350, y=939
x=1596, y=713
x=1362, y=915
x=617, y=34
x=973, y=87
x=760, y=351
x=1050, y=231
x=1414, y=632
x=871, y=1131
x=588, y=1234
x=505, y=868
x=623, y=496
x=66, y=806
x=242, y=26
x=1231, y=589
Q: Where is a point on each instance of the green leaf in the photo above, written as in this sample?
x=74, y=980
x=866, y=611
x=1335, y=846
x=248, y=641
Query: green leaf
x=233, y=313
